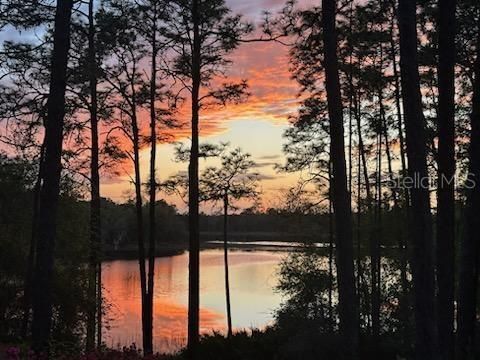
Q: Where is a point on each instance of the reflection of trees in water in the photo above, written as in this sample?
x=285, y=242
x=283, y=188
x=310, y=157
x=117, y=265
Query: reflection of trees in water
x=304, y=282
x=253, y=279
x=170, y=321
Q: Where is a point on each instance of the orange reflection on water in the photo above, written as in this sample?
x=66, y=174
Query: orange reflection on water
x=253, y=276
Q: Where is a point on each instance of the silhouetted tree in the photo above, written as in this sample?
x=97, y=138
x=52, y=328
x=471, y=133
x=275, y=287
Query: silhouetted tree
x=152, y=13
x=420, y=217
x=446, y=174
x=203, y=33
x=232, y=180
x=95, y=274
x=128, y=94
x=42, y=301
x=348, y=307
x=469, y=253
x=23, y=114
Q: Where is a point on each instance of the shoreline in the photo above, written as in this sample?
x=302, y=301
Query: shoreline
x=172, y=250
x=167, y=250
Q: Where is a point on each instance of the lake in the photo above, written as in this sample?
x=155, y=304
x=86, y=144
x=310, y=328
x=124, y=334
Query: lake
x=253, y=277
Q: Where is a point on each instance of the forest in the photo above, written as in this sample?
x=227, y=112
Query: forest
x=376, y=242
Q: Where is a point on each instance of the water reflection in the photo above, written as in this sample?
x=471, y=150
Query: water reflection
x=252, y=279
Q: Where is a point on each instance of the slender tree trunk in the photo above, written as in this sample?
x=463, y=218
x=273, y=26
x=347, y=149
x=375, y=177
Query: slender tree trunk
x=420, y=217
x=350, y=104
x=368, y=190
x=361, y=148
x=193, y=199
x=400, y=238
x=348, y=307
x=95, y=226
x=375, y=242
x=27, y=291
x=352, y=110
x=446, y=174
x=402, y=212
x=49, y=193
x=139, y=214
x=350, y=144
x=225, y=258
x=331, y=238
x=359, y=236
x=148, y=336
x=388, y=153
x=375, y=245
x=398, y=97
x=469, y=255
x=99, y=303
x=350, y=156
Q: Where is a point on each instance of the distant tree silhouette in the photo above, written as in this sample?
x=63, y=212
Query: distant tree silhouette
x=232, y=180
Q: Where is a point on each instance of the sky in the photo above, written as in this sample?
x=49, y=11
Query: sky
x=256, y=126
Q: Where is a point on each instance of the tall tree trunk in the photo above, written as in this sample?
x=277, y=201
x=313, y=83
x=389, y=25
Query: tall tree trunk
x=375, y=244
x=402, y=212
x=397, y=210
x=469, y=255
x=350, y=103
x=139, y=213
x=398, y=97
x=193, y=192
x=225, y=258
x=27, y=291
x=148, y=336
x=446, y=174
x=99, y=302
x=369, y=198
x=350, y=154
x=352, y=109
x=348, y=307
x=49, y=193
x=420, y=217
x=359, y=237
x=331, y=238
x=95, y=226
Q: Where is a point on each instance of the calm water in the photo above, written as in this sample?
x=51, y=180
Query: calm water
x=252, y=282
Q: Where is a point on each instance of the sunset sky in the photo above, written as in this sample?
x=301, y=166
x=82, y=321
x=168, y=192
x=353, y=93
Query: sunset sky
x=256, y=126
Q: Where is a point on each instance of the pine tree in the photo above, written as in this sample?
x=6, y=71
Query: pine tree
x=420, y=217
x=348, y=307
x=49, y=193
